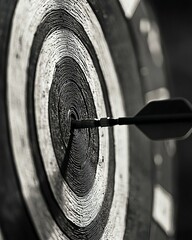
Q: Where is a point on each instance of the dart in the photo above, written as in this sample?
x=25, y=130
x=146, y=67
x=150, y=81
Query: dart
x=158, y=120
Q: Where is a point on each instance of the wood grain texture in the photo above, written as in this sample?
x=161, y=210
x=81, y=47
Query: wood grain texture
x=91, y=213
x=76, y=59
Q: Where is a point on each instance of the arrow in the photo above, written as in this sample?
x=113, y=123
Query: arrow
x=158, y=120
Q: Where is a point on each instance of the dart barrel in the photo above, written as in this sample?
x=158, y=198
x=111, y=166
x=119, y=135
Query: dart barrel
x=81, y=59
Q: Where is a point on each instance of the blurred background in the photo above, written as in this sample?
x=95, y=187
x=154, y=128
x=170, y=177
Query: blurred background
x=174, y=18
x=175, y=21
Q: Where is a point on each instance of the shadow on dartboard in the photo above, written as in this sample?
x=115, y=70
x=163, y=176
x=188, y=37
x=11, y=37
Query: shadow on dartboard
x=68, y=60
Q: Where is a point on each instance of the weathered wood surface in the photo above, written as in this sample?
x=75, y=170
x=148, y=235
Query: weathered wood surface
x=77, y=59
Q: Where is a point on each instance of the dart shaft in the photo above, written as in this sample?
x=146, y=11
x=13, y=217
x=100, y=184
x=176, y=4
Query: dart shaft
x=148, y=119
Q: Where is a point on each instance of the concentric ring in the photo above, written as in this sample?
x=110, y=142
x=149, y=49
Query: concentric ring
x=33, y=148
x=77, y=151
x=89, y=205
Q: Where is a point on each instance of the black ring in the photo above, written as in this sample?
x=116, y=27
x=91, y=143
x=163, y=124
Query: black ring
x=55, y=20
x=76, y=152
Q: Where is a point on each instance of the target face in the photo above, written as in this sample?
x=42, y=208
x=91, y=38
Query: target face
x=74, y=60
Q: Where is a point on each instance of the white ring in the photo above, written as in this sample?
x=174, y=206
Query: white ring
x=31, y=14
x=63, y=43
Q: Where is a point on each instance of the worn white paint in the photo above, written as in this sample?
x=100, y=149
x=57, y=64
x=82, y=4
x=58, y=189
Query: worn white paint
x=154, y=44
x=129, y=7
x=157, y=94
x=65, y=44
x=27, y=17
x=145, y=26
x=163, y=210
x=158, y=159
x=170, y=146
x=1, y=235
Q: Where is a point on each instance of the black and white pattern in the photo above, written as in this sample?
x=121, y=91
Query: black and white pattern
x=59, y=57
x=63, y=60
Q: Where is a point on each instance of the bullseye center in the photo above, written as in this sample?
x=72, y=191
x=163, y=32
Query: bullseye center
x=72, y=115
x=76, y=152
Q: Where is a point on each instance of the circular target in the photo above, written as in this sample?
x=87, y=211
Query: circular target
x=77, y=181
x=73, y=60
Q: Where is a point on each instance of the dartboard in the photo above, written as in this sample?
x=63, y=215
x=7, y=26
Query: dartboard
x=80, y=59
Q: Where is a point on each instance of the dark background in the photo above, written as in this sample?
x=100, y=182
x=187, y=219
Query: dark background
x=175, y=20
